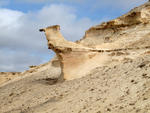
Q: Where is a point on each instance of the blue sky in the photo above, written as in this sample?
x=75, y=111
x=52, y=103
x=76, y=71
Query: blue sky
x=93, y=9
x=21, y=45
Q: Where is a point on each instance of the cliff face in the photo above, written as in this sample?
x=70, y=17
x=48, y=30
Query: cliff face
x=111, y=62
x=122, y=32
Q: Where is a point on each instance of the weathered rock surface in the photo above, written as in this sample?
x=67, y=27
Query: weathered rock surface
x=127, y=34
x=114, y=56
x=73, y=57
x=129, y=30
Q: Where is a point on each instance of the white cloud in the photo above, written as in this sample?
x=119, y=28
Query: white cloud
x=4, y=2
x=7, y=17
x=21, y=44
x=17, y=60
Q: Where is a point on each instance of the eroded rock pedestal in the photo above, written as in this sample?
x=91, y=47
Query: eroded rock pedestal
x=76, y=64
x=75, y=59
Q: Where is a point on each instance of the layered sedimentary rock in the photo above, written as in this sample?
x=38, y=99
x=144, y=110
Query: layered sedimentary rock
x=122, y=32
x=123, y=36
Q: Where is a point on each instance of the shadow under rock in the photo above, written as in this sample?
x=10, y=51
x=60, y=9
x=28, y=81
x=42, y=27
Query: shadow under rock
x=48, y=81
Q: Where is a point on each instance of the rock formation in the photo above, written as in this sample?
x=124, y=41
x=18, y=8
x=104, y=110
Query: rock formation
x=125, y=34
x=75, y=59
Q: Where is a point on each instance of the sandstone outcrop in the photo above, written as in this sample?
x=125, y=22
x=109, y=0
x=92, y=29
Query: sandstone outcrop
x=75, y=59
x=122, y=32
x=129, y=33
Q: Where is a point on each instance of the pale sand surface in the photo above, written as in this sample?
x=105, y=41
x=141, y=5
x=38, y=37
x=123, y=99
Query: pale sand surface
x=121, y=88
x=8, y=76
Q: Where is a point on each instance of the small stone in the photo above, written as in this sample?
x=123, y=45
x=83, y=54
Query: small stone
x=131, y=104
x=108, y=109
x=11, y=94
x=145, y=98
x=121, y=107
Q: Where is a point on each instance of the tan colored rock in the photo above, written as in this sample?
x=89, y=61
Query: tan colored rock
x=122, y=32
x=128, y=33
x=74, y=58
x=57, y=41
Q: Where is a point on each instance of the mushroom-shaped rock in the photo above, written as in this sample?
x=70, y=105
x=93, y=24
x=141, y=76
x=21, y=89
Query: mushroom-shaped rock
x=75, y=59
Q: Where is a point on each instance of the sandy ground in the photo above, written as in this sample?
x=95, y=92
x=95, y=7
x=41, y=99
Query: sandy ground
x=121, y=88
x=8, y=76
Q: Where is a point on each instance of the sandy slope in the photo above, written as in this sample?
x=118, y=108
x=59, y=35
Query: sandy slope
x=8, y=76
x=121, y=88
